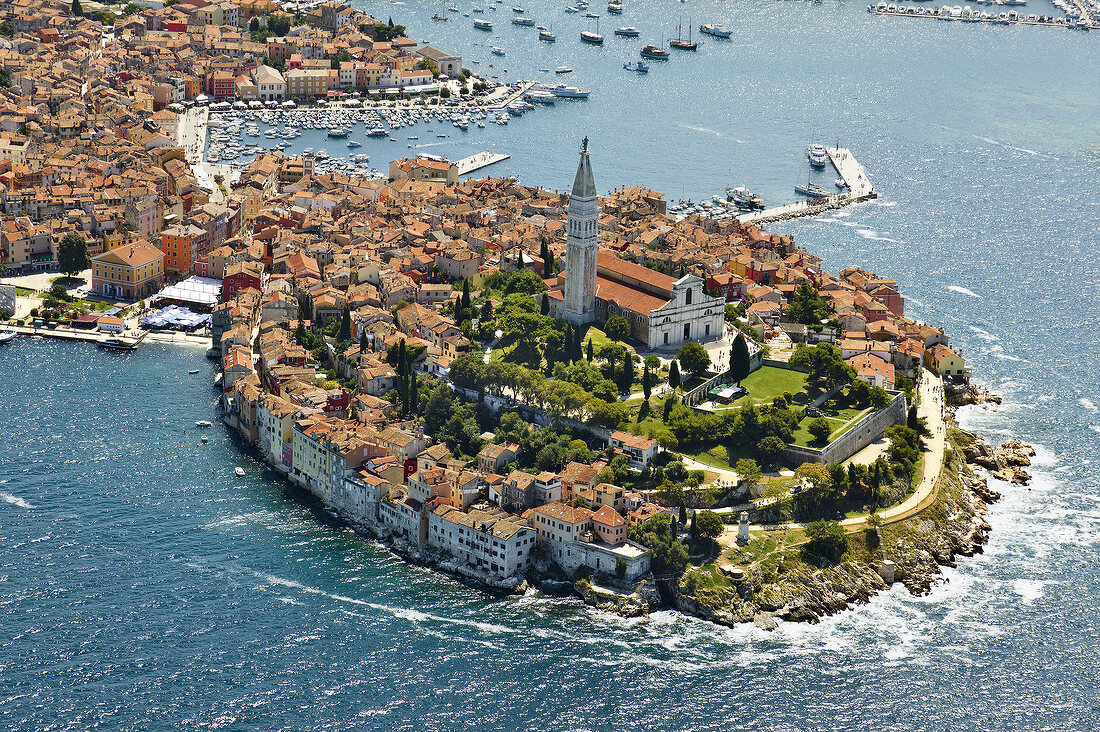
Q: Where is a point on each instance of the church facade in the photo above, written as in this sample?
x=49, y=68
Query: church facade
x=663, y=312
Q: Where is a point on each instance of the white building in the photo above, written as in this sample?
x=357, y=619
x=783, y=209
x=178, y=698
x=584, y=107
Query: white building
x=270, y=85
x=494, y=542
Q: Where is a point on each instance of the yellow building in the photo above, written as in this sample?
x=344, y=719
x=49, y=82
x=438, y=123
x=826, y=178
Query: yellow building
x=306, y=83
x=129, y=272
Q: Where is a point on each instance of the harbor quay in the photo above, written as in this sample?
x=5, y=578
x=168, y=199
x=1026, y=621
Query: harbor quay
x=1081, y=19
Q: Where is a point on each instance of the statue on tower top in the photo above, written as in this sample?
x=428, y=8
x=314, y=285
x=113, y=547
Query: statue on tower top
x=584, y=144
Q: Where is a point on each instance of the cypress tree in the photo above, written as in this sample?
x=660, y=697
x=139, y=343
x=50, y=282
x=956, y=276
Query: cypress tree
x=362, y=341
x=589, y=350
x=544, y=306
x=626, y=375
x=77, y=9
x=739, y=358
x=683, y=515
x=344, y=335
x=486, y=308
x=674, y=375
x=647, y=382
x=549, y=259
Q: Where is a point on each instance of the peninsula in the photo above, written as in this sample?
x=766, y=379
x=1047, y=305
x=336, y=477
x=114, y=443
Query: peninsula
x=515, y=385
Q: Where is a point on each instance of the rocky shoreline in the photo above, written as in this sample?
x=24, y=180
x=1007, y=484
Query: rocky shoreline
x=912, y=552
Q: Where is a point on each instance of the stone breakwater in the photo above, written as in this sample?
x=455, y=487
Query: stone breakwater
x=912, y=551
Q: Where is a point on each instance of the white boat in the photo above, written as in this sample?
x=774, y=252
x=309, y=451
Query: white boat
x=193, y=371
x=337, y=132
x=817, y=155
x=715, y=30
x=497, y=51
x=354, y=143
x=204, y=423
x=570, y=92
x=640, y=66
x=839, y=183
x=520, y=20
x=563, y=70
x=482, y=24
x=7, y=335
x=627, y=31
x=545, y=35
x=376, y=132
x=239, y=471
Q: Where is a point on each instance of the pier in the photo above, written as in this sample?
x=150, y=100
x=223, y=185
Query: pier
x=479, y=161
x=859, y=188
x=1012, y=17
x=524, y=87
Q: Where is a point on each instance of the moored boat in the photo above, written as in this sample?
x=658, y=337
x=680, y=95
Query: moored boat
x=627, y=31
x=714, y=30
x=743, y=198
x=117, y=344
x=817, y=155
x=640, y=66
x=482, y=24
x=813, y=190
x=7, y=336
x=563, y=70
x=545, y=35
x=651, y=51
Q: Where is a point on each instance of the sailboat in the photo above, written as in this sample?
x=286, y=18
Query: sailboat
x=593, y=37
x=680, y=42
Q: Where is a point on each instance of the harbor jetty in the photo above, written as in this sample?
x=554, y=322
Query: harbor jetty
x=966, y=14
x=858, y=188
x=479, y=161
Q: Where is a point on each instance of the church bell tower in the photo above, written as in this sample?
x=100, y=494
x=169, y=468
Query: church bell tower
x=582, y=244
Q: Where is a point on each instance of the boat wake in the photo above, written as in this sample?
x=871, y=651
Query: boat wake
x=14, y=500
x=872, y=234
x=963, y=291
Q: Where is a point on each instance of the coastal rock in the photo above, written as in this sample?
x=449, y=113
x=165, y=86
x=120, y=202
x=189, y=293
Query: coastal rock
x=959, y=396
x=1016, y=476
x=637, y=603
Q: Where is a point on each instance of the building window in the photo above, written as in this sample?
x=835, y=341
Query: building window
x=687, y=330
x=688, y=300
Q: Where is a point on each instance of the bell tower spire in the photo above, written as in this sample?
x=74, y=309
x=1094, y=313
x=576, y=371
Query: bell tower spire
x=582, y=244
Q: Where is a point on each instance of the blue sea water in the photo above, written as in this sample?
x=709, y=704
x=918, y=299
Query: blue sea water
x=144, y=586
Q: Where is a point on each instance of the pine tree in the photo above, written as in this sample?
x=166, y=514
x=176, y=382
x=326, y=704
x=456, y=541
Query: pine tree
x=674, y=374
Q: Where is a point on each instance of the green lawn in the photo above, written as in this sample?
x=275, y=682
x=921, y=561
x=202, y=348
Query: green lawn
x=768, y=382
x=841, y=419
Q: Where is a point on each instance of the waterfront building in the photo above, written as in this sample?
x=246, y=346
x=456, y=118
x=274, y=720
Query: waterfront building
x=574, y=539
x=128, y=272
x=491, y=541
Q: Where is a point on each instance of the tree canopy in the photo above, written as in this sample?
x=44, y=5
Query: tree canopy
x=694, y=358
x=72, y=254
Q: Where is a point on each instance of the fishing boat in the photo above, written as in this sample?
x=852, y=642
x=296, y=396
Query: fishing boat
x=640, y=66
x=627, y=31
x=439, y=16
x=117, y=344
x=546, y=35
x=651, y=51
x=813, y=190
x=593, y=36
x=685, y=44
x=563, y=70
x=715, y=30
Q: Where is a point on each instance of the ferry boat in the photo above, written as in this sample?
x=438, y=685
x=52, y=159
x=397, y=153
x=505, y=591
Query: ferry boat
x=743, y=198
x=715, y=30
x=628, y=31
x=482, y=24
x=570, y=92
x=817, y=155
x=521, y=20
x=563, y=70
x=813, y=190
x=651, y=51
x=117, y=344
x=545, y=35
x=641, y=67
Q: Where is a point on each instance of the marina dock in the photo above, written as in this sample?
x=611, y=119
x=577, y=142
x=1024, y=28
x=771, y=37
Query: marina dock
x=479, y=161
x=847, y=168
x=524, y=87
x=968, y=15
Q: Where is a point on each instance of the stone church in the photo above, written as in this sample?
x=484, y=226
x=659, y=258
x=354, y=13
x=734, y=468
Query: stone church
x=663, y=312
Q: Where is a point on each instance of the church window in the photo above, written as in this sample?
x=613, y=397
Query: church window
x=689, y=296
x=687, y=330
